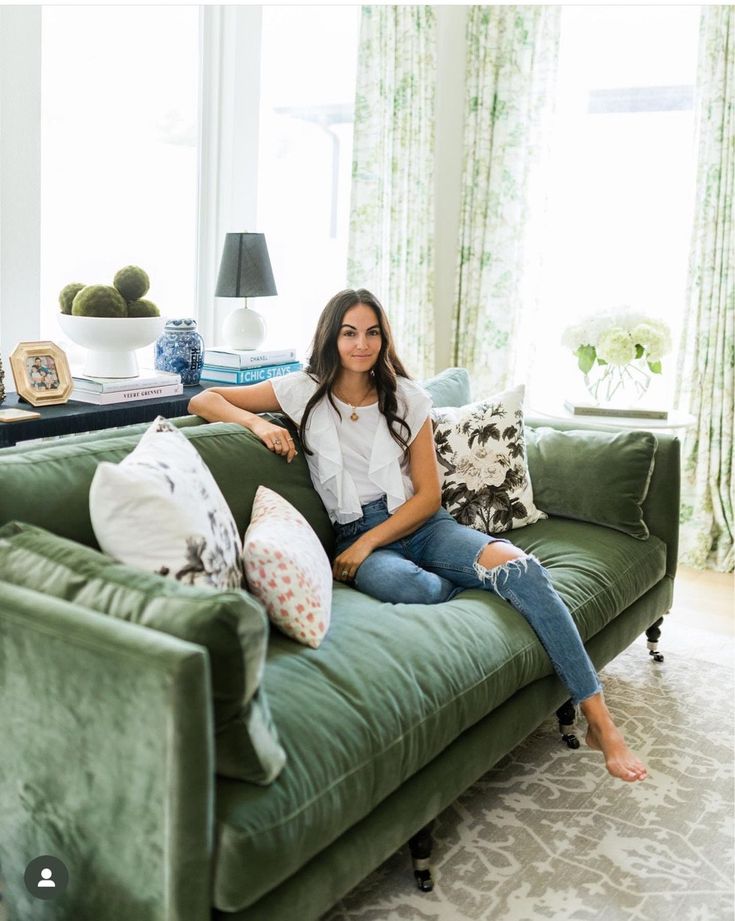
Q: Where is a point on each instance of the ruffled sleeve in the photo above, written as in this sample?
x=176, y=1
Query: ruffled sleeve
x=414, y=405
x=293, y=392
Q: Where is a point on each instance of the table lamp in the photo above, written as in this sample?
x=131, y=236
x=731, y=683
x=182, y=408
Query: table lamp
x=245, y=271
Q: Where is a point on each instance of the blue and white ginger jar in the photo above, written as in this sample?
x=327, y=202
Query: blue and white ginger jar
x=180, y=349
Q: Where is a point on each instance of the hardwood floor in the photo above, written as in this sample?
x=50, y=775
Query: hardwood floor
x=702, y=618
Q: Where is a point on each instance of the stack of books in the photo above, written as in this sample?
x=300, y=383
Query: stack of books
x=148, y=385
x=615, y=412
x=247, y=366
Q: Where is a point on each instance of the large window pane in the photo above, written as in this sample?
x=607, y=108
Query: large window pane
x=622, y=178
x=309, y=67
x=119, y=164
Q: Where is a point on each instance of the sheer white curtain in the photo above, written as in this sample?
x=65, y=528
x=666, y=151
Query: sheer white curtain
x=391, y=246
x=706, y=372
x=512, y=56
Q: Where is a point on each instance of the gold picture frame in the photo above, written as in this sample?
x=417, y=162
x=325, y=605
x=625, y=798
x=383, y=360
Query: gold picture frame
x=41, y=373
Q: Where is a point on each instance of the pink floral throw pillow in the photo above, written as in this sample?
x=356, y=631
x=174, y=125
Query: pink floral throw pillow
x=287, y=569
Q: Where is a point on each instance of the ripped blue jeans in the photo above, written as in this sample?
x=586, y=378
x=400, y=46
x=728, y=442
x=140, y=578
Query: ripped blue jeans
x=440, y=559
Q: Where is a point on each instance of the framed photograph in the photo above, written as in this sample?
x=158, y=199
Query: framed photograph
x=41, y=373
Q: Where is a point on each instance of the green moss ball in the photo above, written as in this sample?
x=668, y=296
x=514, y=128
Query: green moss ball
x=99, y=301
x=68, y=294
x=141, y=308
x=132, y=282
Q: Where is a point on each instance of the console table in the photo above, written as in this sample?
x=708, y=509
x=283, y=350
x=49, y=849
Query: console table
x=68, y=418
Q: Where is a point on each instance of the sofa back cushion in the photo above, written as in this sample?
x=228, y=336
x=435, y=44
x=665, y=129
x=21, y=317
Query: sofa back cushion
x=231, y=625
x=119, y=431
x=450, y=387
x=49, y=486
x=595, y=476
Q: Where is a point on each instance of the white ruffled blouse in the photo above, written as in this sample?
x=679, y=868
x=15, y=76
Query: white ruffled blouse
x=387, y=469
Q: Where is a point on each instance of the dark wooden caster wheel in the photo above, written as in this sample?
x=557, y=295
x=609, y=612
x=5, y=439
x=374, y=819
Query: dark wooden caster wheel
x=423, y=879
x=567, y=714
x=653, y=635
x=420, y=846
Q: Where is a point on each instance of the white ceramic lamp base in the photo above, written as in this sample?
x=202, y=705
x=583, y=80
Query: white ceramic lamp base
x=243, y=329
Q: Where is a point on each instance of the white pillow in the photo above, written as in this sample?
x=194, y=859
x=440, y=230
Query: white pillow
x=287, y=569
x=160, y=509
x=481, y=451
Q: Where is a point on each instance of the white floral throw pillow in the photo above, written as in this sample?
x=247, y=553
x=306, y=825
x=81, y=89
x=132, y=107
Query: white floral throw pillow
x=160, y=509
x=287, y=568
x=481, y=451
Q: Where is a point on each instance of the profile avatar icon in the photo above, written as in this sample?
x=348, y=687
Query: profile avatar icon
x=46, y=881
x=46, y=877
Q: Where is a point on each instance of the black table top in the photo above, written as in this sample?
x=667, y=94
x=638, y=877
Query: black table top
x=73, y=416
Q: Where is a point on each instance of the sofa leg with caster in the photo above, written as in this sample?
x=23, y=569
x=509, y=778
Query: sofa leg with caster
x=653, y=633
x=567, y=714
x=420, y=847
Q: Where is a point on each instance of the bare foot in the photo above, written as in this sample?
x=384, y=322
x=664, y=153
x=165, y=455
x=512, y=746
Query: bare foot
x=619, y=759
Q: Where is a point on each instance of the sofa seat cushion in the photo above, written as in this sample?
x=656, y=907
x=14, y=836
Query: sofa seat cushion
x=389, y=688
x=597, y=571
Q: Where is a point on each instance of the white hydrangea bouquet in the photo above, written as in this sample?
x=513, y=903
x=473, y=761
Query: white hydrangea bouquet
x=617, y=352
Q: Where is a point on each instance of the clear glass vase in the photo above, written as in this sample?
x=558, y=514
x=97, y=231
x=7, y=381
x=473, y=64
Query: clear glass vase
x=618, y=385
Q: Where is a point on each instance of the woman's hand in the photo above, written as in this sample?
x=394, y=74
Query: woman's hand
x=276, y=438
x=349, y=561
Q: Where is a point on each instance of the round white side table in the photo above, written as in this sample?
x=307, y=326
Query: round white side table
x=676, y=420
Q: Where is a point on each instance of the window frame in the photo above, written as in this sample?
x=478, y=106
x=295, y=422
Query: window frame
x=229, y=89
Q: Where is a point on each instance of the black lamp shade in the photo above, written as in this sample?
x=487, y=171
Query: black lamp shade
x=245, y=269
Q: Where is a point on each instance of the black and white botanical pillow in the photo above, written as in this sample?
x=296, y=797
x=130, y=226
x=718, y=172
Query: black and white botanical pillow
x=481, y=451
x=160, y=509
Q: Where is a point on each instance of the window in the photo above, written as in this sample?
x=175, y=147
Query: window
x=119, y=152
x=622, y=178
x=309, y=68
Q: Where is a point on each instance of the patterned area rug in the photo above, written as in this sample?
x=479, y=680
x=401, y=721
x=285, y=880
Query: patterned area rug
x=547, y=834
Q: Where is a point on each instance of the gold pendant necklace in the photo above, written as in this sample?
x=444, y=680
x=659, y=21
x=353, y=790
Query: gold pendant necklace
x=354, y=415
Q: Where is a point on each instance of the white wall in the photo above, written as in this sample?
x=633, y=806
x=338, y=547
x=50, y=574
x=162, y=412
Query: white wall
x=20, y=177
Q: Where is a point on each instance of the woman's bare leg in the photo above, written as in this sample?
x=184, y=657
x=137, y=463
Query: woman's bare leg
x=603, y=735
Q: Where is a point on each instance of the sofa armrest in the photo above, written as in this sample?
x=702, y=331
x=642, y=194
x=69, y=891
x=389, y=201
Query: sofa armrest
x=661, y=505
x=106, y=762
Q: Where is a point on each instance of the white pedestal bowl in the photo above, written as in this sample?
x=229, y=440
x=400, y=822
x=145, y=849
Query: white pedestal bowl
x=111, y=342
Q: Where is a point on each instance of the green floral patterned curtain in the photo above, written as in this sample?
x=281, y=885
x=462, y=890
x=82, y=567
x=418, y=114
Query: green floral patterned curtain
x=511, y=67
x=707, y=354
x=391, y=243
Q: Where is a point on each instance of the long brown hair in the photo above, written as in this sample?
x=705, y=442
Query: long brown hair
x=324, y=364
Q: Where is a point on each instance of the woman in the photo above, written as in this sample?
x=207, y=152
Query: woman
x=366, y=430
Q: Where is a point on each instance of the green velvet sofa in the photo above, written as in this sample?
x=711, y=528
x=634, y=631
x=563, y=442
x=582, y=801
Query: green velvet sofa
x=106, y=727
